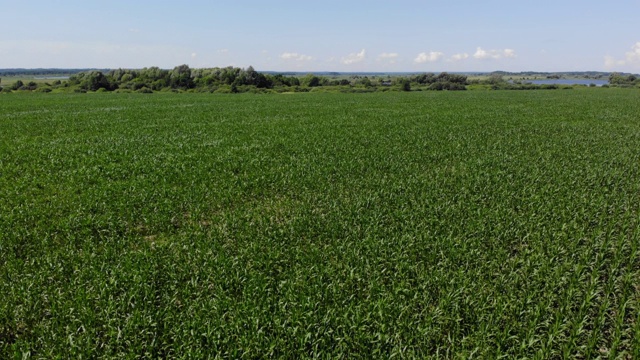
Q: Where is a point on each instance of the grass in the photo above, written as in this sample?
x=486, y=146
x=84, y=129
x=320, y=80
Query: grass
x=433, y=224
x=38, y=79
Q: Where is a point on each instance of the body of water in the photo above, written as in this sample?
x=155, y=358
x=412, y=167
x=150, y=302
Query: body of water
x=568, y=82
x=51, y=77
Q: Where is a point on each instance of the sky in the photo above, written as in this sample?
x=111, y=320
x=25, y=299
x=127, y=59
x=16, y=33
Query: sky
x=328, y=35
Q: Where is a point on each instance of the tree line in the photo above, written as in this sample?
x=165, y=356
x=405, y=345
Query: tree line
x=238, y=80
x=234, y=80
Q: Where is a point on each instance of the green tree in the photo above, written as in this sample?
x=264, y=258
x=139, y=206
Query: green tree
x=180, y=77
x=152, y=74
x=365, y=82
x=405, y=84
x=451, y=78
x=426, y=78
x=496, y=79
x=310, y=80
x=121, y=75
x=94, y=80
x=17, y=85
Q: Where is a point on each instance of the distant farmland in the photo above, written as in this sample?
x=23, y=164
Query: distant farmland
x=426, y=224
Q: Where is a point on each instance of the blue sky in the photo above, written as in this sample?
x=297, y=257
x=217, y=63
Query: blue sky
x=346, y=35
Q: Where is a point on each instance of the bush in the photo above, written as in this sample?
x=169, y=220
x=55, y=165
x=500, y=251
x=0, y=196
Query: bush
x=447, y=86
x=310, y=80
x=17, y=85
x=225, y=89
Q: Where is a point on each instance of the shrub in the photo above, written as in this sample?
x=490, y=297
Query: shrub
x=17, y=85
x=447, y=86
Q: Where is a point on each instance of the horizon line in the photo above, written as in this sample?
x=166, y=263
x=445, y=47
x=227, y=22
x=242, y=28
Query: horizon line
x=320, y=71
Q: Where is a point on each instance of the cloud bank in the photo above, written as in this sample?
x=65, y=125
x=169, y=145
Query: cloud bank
x=295, y=56
x=459, y=57
x=390, y=58
x=632, y=58
x=354, y=58
x=482, y=54
x=424, y=57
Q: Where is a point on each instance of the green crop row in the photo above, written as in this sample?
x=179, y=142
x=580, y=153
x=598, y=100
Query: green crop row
x=423, y=224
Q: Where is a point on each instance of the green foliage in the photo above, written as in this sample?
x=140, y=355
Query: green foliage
x=444, y=85
x=17, y=85
x=405, y=84
x=422, y=79
x=310, y=80
x=364, y=81
x=410, y=225
x=91, y=81
x=180, y=77
x=620, y=79
x=443, y=81
x=184, y=79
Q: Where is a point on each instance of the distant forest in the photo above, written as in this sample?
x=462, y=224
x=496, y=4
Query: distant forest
x=238, y=80
x=45, y=72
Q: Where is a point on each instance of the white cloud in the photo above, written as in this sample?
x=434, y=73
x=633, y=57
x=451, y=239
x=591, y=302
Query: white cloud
x=391, y=58
x=295, y=56
x=194, y=55
x=482, y=54
x=223, y=51
x=610, y=62
x=354, y=58
x=388, y=56
x=509, y=53
x=634, y=54
x=459, y=57
x=424, y=57
x=494, y=54
x=632, y=58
